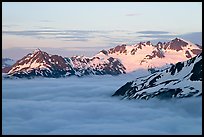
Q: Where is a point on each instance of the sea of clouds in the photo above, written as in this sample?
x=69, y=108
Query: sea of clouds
x=84, y=106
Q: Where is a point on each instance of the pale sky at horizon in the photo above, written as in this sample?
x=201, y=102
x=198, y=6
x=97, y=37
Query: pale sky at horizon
x=78, y=25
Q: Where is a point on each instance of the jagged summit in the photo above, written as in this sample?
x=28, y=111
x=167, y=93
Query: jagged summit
x=37, y=50
x=40, y=63
x=105, y=52
x=177, y=39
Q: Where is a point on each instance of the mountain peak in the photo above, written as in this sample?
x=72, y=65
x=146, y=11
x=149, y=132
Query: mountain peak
x=37, y=50
x=40, y=63
x=177, y=39
x=104, y=52
x=177, y=44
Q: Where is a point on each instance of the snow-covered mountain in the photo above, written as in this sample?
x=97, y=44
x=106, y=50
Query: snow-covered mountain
x=146, y=55
x=40, y=63
x=98, y=65
x=6, y=64
x=184, y=79
x=118, y=60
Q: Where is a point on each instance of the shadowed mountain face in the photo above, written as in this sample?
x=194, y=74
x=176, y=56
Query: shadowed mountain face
x=176, y=44
x=184, y=79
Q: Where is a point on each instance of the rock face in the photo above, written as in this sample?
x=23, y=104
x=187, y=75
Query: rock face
x=184, y=79
x=176, y=44
x=119, y=48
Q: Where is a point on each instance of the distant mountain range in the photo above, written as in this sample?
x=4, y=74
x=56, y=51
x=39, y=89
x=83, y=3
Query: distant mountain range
x=184, y=79
x=6, y=64
x=120, y=59
x=40, y=63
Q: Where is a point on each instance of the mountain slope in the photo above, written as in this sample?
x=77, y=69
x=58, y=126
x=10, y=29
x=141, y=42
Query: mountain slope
x=40, y=63
x=145, y=55
x=184, y=79
x=118, y=60
x=98, y=65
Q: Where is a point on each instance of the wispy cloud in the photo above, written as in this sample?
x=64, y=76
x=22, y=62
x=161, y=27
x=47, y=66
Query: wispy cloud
x=46, y=21
x=44, y=27
x=10, y=26
x=153, y=32
x=66, y=35
x=76, y=39
x=132, y=14
x=158, y=36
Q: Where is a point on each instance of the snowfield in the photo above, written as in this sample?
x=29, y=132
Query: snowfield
x=84, y=106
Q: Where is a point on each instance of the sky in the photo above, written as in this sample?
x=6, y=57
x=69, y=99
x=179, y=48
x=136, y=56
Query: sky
x=85, y=28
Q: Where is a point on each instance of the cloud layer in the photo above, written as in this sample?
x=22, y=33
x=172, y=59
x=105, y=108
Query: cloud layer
x=71, y=35
x=84, y=106
x=114, y=36
x=132, y=14
x=153, y=32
